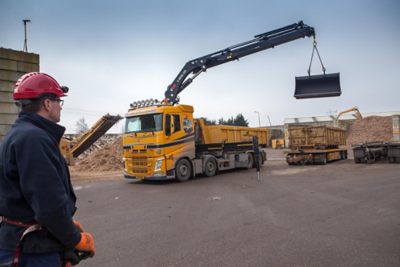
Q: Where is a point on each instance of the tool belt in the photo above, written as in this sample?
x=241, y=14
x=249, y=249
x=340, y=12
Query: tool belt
x=70, y=257
x=17, y=223
x=29, y=228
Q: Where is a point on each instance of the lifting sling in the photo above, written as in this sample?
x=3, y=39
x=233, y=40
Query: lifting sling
x=313, y=86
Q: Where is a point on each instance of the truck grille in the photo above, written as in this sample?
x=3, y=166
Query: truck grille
x=139, y=165
x=138, y=152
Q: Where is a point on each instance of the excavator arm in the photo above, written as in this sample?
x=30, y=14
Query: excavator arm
x=259, y=43
x=356, y=111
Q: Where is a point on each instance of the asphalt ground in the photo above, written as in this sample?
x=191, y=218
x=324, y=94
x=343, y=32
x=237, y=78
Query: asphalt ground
x=339, y=214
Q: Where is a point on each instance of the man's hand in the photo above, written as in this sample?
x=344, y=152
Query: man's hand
x=86, y=244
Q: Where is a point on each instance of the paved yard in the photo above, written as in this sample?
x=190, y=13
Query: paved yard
x=339, y=214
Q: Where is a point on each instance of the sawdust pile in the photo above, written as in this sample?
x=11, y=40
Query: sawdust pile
x=370, y=129
x=108, y=158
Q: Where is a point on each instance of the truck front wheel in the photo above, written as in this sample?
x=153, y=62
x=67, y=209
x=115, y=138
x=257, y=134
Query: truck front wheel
x=183, y=170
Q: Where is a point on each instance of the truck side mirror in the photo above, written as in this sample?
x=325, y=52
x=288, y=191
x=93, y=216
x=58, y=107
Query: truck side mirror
x=168, y=125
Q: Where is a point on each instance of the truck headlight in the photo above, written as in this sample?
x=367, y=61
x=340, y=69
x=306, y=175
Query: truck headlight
x=158, y=165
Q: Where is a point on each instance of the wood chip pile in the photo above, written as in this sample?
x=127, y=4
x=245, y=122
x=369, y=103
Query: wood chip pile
x=107, y=158
x=105, y=140
x=370, y=129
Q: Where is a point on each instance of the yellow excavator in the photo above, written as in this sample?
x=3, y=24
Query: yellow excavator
x=357, y=113
x=71, y=149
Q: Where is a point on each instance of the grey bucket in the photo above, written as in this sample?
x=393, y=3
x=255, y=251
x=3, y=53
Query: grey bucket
x=313, y=86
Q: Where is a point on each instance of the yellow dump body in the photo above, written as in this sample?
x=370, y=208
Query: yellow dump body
x=216, y=134
x=316, y=137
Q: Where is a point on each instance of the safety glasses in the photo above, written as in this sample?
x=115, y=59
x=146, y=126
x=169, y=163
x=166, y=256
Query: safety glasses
x=60, y=101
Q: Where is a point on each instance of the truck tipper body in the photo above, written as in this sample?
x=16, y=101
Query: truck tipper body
x=229, y=134
x=164, y=141
x=315, y=144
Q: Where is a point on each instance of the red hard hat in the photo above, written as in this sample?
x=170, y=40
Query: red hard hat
x=35, y=84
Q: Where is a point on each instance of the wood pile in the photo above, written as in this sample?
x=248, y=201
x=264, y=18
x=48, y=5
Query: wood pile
x=104, y=155
x=102, y=142
x=370, y=129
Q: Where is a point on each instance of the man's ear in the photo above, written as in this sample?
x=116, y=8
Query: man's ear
x=46, y=104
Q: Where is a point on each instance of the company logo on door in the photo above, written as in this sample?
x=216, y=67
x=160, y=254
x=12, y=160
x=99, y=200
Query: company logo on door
x=187, y=125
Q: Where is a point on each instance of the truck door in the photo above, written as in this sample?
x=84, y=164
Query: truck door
x=172, y=125
x=180, y=135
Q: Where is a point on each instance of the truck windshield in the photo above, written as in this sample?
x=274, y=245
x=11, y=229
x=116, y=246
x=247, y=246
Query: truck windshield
x=144, y=123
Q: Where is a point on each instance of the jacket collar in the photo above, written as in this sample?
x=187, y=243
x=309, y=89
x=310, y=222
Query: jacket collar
x=55, y=130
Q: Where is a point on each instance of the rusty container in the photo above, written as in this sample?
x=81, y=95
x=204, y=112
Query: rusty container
x=318, y=137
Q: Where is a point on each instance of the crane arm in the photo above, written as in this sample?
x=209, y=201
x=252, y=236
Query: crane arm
x=259, y=43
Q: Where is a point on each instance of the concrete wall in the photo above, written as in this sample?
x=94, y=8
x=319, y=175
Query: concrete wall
x=13, y=64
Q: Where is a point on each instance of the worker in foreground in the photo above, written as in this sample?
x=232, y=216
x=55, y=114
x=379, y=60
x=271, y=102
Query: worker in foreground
x=37, y=201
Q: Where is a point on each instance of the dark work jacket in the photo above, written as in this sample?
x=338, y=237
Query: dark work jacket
x=35, y=186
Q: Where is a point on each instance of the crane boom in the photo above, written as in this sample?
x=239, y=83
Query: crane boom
x=259, y=43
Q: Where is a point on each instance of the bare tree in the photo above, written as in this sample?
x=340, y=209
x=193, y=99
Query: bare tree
x=81, y=126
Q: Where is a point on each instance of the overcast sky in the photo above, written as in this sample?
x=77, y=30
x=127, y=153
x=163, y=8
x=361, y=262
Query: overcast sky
x=111, y=53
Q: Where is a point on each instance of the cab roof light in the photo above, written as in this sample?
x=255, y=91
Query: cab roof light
x=145, y=103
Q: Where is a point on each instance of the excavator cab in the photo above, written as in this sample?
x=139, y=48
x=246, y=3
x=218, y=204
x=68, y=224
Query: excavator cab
x=313, y=86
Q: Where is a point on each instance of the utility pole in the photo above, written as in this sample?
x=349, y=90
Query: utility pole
x=26, y=38
x=259, y=123
x=269, y=121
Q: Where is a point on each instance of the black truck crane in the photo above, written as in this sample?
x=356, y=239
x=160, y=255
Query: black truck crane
x=306, y=87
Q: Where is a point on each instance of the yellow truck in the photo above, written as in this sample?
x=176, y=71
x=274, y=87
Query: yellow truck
x=162, y=140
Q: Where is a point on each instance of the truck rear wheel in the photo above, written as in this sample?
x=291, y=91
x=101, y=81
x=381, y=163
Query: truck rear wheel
x=183, y=170
x=210, y=167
